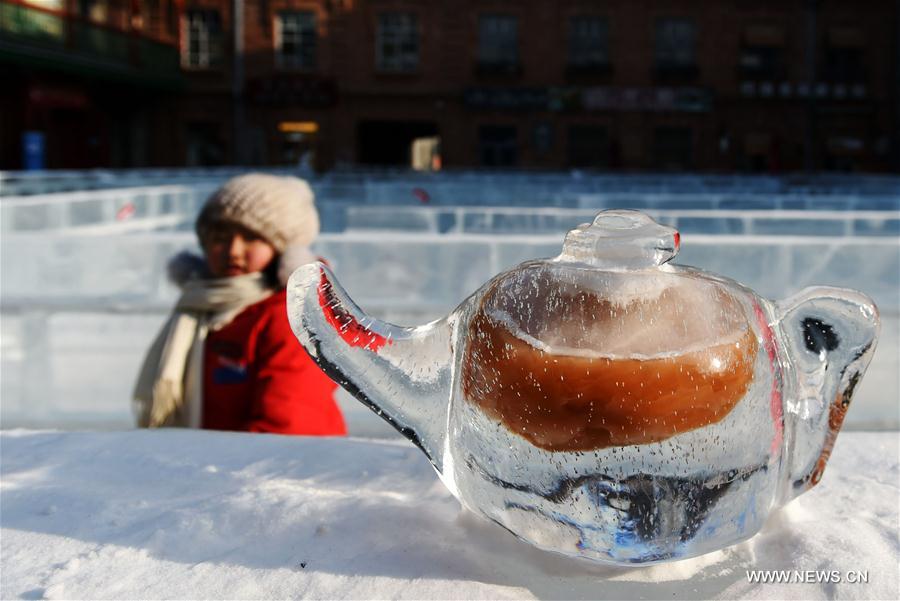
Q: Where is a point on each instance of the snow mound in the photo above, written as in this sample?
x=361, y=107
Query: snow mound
x=189, y=514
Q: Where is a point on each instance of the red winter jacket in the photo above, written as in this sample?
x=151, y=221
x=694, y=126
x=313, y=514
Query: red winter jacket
x=257, y=377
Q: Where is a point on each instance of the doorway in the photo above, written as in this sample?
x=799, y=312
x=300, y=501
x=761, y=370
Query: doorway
x=391, y=142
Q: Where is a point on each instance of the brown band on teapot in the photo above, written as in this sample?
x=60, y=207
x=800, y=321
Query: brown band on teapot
x=578, y=402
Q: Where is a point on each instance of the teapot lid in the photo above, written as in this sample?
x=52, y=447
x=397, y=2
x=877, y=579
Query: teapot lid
x=621, y=239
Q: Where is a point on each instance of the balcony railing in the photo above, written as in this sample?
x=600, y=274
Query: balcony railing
x=54, y=38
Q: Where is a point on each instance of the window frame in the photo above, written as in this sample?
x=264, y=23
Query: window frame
x=210, y=52
x=763, y=53
x=843, y=61
x=504, y=55
x=398, y=37
x=573, y=58
x=304, y=32
x=771, y=63
x=662, y=59
x=675, y=53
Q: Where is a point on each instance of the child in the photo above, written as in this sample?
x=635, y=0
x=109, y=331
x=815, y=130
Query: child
x=227, y=358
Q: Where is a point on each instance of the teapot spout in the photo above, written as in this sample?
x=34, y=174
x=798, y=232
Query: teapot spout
x=830, y=336
x=402, y=374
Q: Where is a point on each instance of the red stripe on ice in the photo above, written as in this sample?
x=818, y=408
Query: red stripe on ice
x=348, y=328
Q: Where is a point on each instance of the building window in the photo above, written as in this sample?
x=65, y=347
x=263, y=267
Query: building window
x=201, y=39
x=844, y=61
x=588, y=146
x=497, y=145
x=673, y=148
x=588, y=42
x=295, y=39
x=762, y=63
x=397, y=43
x=95, y=10
x=498, y=41
x=762, y=53
x=676, y=48
x=845, y=65
x=542, y=138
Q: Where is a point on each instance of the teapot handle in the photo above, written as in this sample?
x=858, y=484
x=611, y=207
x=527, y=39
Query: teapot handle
x=829, y=336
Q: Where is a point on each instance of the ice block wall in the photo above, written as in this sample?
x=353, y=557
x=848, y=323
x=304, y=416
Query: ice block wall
x=83, y=254
x=78, y=311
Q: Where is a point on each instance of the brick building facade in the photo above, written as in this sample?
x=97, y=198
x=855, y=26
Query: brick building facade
x=741, y=85
x=95, y=81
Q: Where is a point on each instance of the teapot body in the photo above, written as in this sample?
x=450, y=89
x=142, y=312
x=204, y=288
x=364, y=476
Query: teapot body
x=586, y=454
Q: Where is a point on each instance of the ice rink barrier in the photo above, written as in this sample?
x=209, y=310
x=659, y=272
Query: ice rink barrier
x=391, y=185
x=79, y=311
x=175, y=208
x=155, y=199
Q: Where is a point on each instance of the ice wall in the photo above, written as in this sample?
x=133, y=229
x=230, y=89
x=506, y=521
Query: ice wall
x=157, y=198
x=79, y=311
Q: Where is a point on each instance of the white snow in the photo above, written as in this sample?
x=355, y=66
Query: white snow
x=190, y=514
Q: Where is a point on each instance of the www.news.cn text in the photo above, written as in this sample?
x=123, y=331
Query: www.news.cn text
x=807, y=576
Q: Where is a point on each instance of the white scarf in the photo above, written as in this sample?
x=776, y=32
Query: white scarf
x=169, y=388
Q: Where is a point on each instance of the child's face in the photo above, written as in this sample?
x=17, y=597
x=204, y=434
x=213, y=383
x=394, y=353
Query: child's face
x=232, y=250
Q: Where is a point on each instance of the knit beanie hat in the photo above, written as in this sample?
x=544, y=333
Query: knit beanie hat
x=280, y=209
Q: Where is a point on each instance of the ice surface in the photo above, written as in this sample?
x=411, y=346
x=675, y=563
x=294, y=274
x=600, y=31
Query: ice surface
x=178, y=514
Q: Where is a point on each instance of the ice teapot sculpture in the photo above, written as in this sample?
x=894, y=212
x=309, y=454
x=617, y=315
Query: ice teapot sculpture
x=606, y=403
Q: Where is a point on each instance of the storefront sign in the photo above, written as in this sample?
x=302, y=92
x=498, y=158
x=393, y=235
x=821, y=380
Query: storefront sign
x=691, y=100
x=589, y=99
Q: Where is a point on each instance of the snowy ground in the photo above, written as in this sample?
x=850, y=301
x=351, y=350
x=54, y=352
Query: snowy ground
x=179, y=514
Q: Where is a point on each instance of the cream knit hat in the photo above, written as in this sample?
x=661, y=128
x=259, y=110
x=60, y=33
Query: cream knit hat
x=280, y=209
